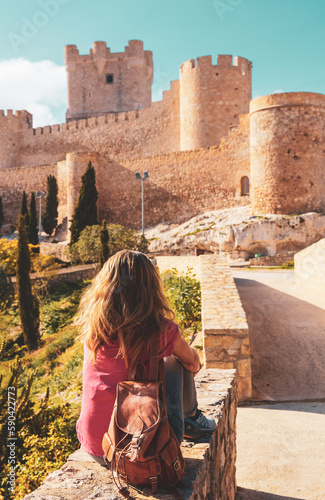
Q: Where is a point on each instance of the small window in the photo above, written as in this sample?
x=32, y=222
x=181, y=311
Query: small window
x=244, y=186
x=110, y=78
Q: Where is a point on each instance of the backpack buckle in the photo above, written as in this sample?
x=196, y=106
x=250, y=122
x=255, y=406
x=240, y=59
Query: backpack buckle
x=153, y=479
x=176, y=465
x=136, y=440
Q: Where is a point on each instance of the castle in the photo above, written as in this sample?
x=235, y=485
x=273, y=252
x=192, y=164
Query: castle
x=206, y=144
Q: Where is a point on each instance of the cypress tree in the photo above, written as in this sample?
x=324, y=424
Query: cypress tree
x=104, y=248
x=24, y=209
x=50, y=214
x=85, y=213
x=33, y=230
x=2, y=219
x=28, y=304
x=7, y=291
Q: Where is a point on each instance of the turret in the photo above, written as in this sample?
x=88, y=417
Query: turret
x=105, y=82
x=12, y=127
x=287, y=137
x=211, y=98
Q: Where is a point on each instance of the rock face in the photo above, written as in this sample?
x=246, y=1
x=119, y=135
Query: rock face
x=239, y=233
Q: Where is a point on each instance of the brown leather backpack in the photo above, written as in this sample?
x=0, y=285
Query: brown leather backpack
x=140, y=447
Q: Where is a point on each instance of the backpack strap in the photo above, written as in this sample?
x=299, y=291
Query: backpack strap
x=154, y=361
x=153, y=364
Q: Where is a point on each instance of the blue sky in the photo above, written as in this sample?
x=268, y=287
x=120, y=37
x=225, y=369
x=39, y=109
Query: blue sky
x=285, y=40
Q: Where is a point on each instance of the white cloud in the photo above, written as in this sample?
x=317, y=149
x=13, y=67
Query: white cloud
x=39, y=87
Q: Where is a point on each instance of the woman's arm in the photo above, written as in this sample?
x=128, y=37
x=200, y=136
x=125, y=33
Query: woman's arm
x=186, y=354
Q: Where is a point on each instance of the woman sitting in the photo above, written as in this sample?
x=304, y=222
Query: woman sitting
x=120, y=314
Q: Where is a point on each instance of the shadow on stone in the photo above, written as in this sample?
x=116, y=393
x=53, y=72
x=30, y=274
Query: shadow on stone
x=246, y=494
x=287, y=344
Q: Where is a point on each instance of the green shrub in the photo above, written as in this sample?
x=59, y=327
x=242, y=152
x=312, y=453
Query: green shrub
x=87, y=248
x=183, y=292
x=58, y=346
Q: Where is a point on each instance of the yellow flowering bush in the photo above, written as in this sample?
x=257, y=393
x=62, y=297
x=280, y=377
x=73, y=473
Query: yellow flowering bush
x=8, y=255
x=39, y=262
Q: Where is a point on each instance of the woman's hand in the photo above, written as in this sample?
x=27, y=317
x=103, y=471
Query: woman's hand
x=195, y=373
x=186, y=355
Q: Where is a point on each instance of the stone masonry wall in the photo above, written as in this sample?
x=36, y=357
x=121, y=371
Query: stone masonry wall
x=103, y=81
x=148, y=131
x=212, y=97
x=15, y=180
x=180, y=262
x=65, y=275
x=224, y=324
x=287, y=144
x=181, y=184
x=310, y=266
x=210, y=463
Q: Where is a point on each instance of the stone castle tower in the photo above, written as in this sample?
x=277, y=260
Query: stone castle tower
x=205, y=149
x=104, y=82
x=211, y=98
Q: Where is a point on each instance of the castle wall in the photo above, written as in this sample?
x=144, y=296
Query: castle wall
x=12, y=127
x=196, y=112
x=104, y=82
x=187, y=183
x=287, y=144
x=15, y=180
x=148, y=131
x=310, y=267
x=181, y=184
x=211, y=98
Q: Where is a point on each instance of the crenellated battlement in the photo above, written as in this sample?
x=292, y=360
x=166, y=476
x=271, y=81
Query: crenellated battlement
x=223, y=62
x=212, y=97
x=105, y=119
x=134, y=49
x=109, y=99
x=21, y=117
x=198, y=142
x=104, y=81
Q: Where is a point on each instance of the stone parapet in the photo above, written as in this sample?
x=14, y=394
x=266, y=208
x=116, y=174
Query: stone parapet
x=65, y=275
x=272, y=260
x=310, y=266
x=210, y=463
x=224, y=324
x=180, y=262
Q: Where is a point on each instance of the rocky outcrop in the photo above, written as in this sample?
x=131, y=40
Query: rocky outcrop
x=239, y=233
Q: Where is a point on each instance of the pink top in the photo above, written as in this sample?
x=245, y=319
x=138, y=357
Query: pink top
x=99, y=387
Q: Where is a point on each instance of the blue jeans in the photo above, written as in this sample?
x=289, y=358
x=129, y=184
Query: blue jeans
x=180, y=397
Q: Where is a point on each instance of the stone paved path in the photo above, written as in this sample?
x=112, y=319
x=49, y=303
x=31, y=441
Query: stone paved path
x=281, y=447
x=281, y=452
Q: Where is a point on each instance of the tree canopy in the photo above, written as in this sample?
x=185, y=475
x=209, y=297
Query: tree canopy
x=85, y=213
x=50, y=214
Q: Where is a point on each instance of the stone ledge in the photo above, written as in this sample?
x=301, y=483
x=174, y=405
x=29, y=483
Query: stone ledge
x=210, y=462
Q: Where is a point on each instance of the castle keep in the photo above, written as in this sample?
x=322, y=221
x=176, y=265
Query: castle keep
x=206, y=145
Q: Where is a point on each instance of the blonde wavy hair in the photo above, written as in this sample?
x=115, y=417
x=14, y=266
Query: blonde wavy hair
x=124, y=303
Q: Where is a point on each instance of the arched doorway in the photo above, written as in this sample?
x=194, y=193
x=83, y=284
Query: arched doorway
x=244, y=186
